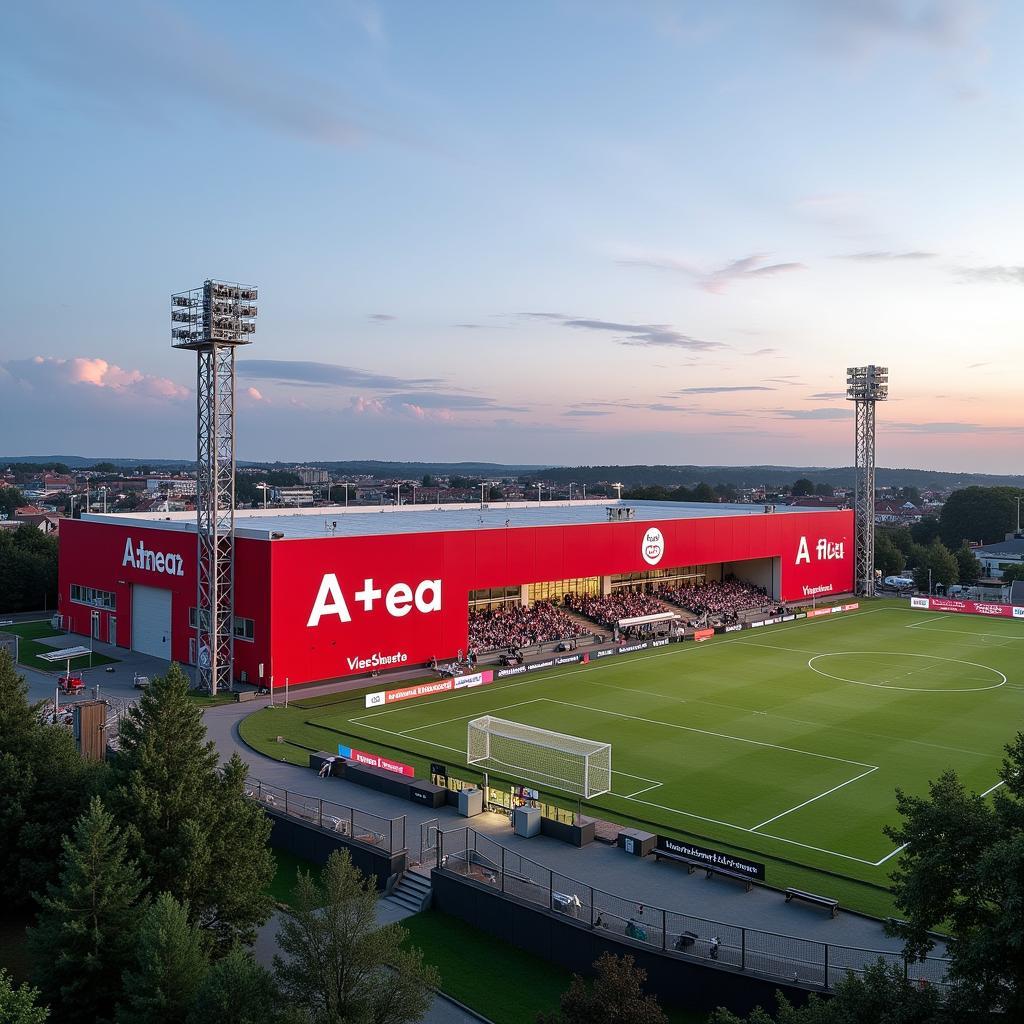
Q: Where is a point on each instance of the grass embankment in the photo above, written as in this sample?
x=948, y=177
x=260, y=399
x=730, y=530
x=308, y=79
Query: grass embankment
x=29, y=648
x=491, y=977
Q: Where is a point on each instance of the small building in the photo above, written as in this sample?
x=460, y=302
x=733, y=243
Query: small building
x=1001, y=554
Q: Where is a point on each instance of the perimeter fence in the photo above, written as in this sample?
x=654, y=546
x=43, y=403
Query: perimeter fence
x=352, y=823
x=785, y=958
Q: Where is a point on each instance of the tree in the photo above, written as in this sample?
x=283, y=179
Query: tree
x=882, y=996
x=85, y=931
x=703, y=492
x=1012, y=573
x=968, y=564
x=10, y=499
x=984, y=514
x=28, y=569
x=169, y=966
x=937, y=567
x=911, y=494
x=925, y=531
x=18, y=1005
x=889, y=560
x=899, y=535
x=194, y=831
x=802, y=488
x=428, y=480
x=963, y=868
x=824, y=490
x=338, y=966
x=236, y=990
x=44, y=786
x=616, y=994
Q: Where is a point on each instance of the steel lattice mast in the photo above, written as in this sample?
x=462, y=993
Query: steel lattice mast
x=213, y=321
x=865, y=386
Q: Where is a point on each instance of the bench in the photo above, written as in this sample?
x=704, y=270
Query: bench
x=809, y=897
x=710, y=869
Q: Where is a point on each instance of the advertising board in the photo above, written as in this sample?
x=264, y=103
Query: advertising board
x=375, y=761
x=382, y=697
x=712, y=858
x=952, y=606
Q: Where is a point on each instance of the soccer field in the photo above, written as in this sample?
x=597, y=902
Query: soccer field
x=787, y=741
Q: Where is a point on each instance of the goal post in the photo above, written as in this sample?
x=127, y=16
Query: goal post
x=573, y=764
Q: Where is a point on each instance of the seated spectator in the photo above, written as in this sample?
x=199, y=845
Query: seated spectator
x=723, y=601
x=624, y=604
x=511, y=627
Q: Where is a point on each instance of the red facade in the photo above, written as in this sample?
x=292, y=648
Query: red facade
x=401, y=599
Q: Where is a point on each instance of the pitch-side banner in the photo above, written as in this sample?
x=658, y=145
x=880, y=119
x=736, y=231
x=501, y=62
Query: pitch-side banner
x=375, y=761
x=951, y=605
x=381, y=697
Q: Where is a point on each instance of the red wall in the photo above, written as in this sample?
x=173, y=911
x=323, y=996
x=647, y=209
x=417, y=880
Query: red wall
x=276, y=582
x=468, y=560
x=91, y=555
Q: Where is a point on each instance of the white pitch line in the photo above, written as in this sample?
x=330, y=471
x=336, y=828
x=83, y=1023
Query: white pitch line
x=459, y=718
x=630, y=796
x=707, y=732
x=962, y=632
x=813, y=798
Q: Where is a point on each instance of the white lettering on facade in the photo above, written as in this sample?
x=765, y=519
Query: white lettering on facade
x=399, y=600
x=138, y=556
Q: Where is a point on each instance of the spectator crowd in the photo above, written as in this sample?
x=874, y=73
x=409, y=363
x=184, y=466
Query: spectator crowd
x=512, y=627
x=624, y=604
x=721, y=601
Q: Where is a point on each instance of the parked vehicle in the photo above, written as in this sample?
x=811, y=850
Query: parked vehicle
x=72, y=683
x=140, y=682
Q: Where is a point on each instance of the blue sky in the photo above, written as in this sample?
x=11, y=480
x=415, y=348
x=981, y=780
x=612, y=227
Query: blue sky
x=536, y=232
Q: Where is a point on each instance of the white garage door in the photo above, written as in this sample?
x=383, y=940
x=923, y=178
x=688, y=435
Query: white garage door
x=151, y=621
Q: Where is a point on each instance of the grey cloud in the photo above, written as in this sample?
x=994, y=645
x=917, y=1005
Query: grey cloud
x=381, y=318
x=642, y=406
x=950, y=428
x=303, y=372
x=587, y=412
x=882, y=256
x=149, y=61
x=1002, y=275
x=766, y=352
x=747, y=268
x=722, y=390
x=647, y=335
x=825, y=396
x=447, y=400
x=813, y=414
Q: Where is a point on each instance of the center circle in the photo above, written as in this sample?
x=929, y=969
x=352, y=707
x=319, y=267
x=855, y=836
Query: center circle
x=888, y=670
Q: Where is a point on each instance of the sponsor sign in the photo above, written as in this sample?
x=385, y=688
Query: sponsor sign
x=919, y=602
x=514, y=670
x=754, y=625
x=652, y=547
x=605, y=653
x=703, y=634
x=138, y=556
x=1018, y=613
x=815, y=612
x=790, y=618
x=825, y=550
x=377, y=660
x=398, y=600
x=436, y=768
x=851, y=607
x=629, y=648
x=946, y=604
x=712, y=858
x=374, y=760
x=734, y=628
x=823, y=588
x=660, y=643
x=836, y=609
x=375, y=700
x=801, y=615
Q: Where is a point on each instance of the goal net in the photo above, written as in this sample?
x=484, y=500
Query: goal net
x=579, y=766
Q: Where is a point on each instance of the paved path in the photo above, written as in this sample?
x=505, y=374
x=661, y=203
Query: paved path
x=607, y=868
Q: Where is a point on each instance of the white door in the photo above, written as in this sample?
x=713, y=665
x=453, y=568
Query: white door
x=112, y=630
x=151, y=621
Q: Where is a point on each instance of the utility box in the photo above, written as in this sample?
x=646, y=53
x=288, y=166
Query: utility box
x=526, y=821
x=636, y=842
x=471, y=802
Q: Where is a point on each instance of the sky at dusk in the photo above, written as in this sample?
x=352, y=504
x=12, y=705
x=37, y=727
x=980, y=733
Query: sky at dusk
x=550, y=232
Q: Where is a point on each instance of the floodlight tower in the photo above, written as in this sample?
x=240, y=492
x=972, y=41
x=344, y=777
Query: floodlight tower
x=865, y=386
x=213, y=321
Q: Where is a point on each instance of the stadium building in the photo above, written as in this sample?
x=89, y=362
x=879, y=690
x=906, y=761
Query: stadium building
x=343, y=592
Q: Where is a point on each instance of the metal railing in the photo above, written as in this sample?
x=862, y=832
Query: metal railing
x=361, y=826
x=784, y=958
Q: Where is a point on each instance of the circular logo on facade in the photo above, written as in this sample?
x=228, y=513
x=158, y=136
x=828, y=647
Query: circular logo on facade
x=653, y=546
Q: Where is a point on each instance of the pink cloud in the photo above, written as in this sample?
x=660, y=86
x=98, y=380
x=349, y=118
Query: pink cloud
x=255, y=394
x=49, y=371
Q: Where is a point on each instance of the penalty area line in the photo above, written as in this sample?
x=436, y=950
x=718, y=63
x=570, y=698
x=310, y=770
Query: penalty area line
x=827, y=792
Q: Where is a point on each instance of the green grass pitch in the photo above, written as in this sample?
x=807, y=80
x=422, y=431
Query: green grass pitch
x=787, y=741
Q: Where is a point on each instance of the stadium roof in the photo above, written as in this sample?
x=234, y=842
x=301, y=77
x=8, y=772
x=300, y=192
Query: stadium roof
x=370, y=521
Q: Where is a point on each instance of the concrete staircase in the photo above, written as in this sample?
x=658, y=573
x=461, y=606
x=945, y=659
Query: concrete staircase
x=412, y=893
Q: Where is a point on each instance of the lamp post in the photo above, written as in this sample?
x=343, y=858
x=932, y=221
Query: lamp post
x=264, y=488
x=414, y=494
x=618, y=488
x=538, y=495
x=398, y=493
x=570, y=492
x=73, y=496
